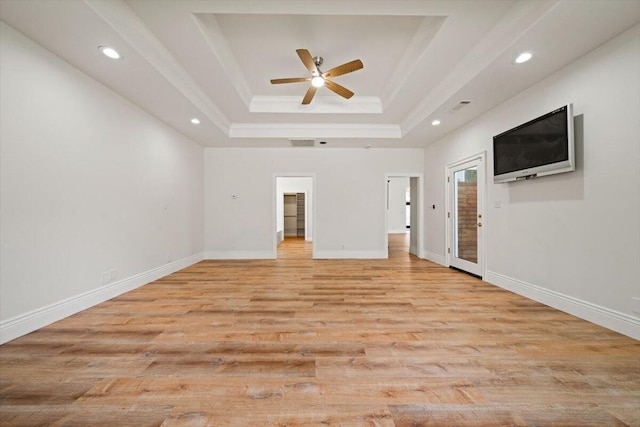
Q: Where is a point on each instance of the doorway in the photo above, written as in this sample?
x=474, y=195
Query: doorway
x=295, y=215
x=465, y=194
x=294, y=197
x=403, y=212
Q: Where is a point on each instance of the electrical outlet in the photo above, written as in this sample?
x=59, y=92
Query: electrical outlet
x=105, y=277
x=113, y=274
x=169, y=258
x=635, y=305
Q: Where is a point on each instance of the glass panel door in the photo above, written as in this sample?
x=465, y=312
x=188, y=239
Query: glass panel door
x=465, y=215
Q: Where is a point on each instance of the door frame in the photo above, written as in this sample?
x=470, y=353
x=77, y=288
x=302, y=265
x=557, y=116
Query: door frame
x=308, y=214
x=419, y=203
x=448, y=215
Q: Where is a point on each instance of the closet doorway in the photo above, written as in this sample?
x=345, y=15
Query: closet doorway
x=294, y=200
x=295, y=215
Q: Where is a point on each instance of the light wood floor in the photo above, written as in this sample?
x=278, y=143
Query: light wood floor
x=298, y=342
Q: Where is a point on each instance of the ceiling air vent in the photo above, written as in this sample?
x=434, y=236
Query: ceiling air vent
x=302, y=142
x=460, y=105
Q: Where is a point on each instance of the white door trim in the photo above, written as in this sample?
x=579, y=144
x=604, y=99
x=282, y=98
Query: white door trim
x=274, y=208
x=482, y=180
x=420, y=204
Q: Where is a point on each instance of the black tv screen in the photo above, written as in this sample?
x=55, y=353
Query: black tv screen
x=539, y=147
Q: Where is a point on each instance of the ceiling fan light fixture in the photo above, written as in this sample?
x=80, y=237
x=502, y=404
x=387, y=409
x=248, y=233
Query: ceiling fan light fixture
x=317, y=81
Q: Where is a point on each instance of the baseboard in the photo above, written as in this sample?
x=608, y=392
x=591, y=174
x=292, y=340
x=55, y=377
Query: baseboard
x=437, y=258
x=349, y=254
x=218, y=255
x=611, y=319
x=28, y=322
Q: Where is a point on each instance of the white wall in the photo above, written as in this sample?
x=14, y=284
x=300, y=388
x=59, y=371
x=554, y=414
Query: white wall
x=398, y=204
x=350, y=202
x=89, y=184
x=295, y=185
x=570, y=240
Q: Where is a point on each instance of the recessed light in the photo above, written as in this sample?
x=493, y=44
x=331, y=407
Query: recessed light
x=523, y=57
x=435, y=123
x=195, y=121
x=317, y=81
x=110, y=52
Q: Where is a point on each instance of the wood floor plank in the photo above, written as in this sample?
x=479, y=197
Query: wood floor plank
x=302, y=342
x=503, y=415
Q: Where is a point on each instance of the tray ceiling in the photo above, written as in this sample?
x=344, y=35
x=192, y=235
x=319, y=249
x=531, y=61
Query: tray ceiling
x=214, y=59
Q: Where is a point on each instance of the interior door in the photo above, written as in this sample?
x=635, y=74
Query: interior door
x=465, y=182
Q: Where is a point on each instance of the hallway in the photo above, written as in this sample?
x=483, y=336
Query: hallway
x=298, y=248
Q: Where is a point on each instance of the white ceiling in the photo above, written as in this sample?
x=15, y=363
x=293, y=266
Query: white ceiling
x=214, y=59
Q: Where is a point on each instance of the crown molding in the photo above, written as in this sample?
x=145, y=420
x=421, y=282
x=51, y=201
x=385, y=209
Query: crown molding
x=217, y=42
x=421, y=40
x=518, y=20
x=314, y=130
x=320, y=105
x=342, y=7
x=124, y=21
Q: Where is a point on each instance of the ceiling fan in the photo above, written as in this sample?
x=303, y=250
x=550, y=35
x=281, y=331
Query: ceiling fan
x=318, y=78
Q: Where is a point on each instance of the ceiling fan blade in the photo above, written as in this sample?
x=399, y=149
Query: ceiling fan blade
x=307, y=60
x=290, y=80
x=340, y=90
x=309, y=96
x=344, y=69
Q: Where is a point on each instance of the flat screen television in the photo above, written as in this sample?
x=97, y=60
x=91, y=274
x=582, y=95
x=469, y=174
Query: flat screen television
x=542, y=146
